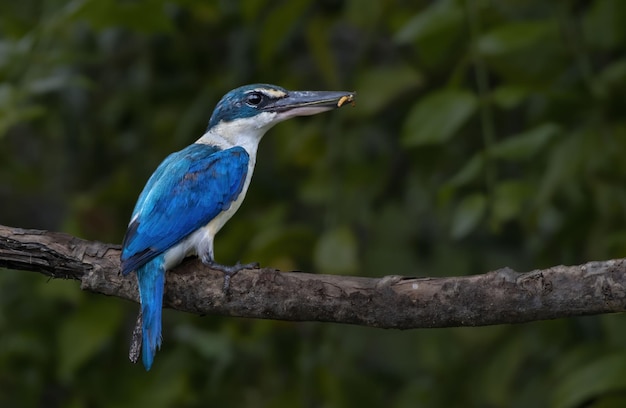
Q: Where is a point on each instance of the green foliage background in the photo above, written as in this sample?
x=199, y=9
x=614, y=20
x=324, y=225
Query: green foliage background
x=486, y=134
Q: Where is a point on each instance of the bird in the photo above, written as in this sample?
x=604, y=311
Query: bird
x=195, y=191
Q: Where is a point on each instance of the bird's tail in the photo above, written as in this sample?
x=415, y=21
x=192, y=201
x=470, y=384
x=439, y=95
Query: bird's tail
x=151, y=279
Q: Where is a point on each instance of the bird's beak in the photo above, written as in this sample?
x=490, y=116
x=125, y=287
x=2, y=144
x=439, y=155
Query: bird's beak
x=303, y=103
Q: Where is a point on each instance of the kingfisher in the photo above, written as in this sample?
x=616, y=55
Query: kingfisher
x=195, y=191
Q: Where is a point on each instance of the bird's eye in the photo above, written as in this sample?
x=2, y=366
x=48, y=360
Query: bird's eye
x=254, y=99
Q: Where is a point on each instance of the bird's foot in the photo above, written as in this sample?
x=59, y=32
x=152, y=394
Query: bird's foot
x=230, y=271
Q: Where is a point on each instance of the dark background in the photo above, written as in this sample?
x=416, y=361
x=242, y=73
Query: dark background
x=486, y=134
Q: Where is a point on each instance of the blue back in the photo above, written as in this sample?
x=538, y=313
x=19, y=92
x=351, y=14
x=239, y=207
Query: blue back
x=187, y=190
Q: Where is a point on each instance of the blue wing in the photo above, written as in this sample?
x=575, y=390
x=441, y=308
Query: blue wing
x=187, y=190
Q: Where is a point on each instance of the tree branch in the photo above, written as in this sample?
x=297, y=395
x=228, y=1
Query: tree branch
x=497, y=297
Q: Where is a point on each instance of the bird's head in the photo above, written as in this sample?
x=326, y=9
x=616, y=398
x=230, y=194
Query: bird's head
x=261, y=106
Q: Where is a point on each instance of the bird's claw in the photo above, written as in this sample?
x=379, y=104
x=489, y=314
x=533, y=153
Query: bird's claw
x=251, y=265
x=230, y=271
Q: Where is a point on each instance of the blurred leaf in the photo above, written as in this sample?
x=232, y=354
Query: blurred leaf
x=82, y=334
x=509, y=96
x=166, y=385
x=56, y=82
x=143, y=15
x=440, y=16
x=599, y=377
x=468, y=215
x=364, y=13
x=318, y=46
x=281, y=242
x=438, y=116
x=378, y=87
x=12, y=52
x=614, y=325
x=515, y=36
x=14, y=109
x=60, y=290
x=610, y=401
x=275, y=31
x=613, y=77
x=603, y=24
x=509, y=198
x=499, y=374
x=211, y=346
x=316, y=189
x=416, y=392
x=302, y=151
x=563, y=164
x=571, y=359
x=336, y=252
x=436, y=35
x=15, y=115
x=471, y=171
x=391, y=247
x=525, y=145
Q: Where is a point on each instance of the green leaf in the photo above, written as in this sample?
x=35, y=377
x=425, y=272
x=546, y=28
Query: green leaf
x=525, y=145
x=144, y=16
x=281, y=243
x=82, y=334
x=509, y=198
x=498, y=376
x=14, y=109
x=468, y=214
x=469, y=172
x=363, y=13
x=597, y=378
x=441, y=16
x=612, y=78
x=379, y=86
x=515, y=36
x=210, y=345
x=438, y=116
x=276, y=30
x=563, y=165
x=336, y=252
x=317, y=40
x=509, y=96
x=603, y=25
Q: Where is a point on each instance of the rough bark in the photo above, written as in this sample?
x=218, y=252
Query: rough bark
x=497, y=297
